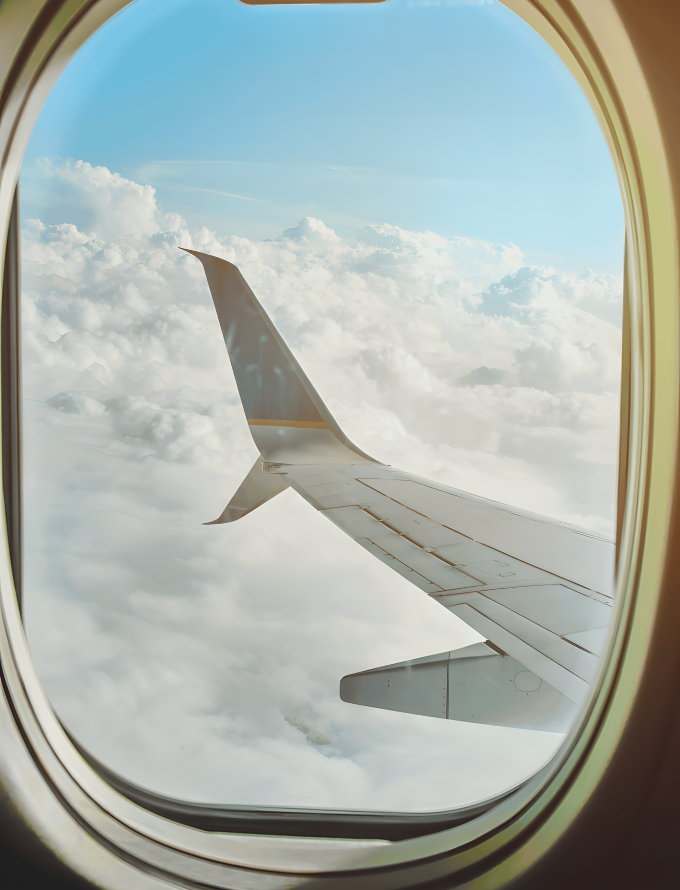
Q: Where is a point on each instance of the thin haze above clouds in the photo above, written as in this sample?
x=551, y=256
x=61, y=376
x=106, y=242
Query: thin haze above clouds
x=204, y=662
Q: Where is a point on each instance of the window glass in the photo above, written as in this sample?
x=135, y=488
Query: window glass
x=420, y=197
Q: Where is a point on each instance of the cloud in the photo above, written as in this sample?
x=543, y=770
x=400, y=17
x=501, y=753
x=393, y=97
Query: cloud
x=483, y=376
x=124, y=210
x=204, y=662
x=311, y=230
x=532, y=289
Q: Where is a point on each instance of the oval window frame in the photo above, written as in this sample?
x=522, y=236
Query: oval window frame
x=60, y=802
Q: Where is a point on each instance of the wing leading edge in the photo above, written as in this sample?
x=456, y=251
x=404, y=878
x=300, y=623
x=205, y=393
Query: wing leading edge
x=537, y=590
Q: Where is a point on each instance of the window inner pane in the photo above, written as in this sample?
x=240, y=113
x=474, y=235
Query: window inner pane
x=420, y=198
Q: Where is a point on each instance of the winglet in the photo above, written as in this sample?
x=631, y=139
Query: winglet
x=288, y=419
x=257, y=488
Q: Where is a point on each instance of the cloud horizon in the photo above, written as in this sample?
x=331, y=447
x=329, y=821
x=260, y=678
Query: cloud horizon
x=204, y=663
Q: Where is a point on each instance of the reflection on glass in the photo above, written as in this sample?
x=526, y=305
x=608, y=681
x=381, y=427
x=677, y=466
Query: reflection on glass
x=419, y=198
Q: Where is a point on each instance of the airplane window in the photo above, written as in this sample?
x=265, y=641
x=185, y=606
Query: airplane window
x=403, y=314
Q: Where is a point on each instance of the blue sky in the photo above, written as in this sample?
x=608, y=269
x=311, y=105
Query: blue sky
x=454, y=118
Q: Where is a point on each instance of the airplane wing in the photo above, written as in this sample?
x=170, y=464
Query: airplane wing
x=539, y=591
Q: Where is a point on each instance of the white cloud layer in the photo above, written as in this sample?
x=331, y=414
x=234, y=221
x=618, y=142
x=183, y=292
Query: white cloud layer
x=204, y=662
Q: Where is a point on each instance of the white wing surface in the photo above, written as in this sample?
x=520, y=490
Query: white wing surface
x=539, y=591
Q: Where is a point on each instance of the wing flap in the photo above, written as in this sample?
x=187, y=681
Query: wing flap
x=590, y=640
x=564, y=681
x=557, y=608
x=571, y=657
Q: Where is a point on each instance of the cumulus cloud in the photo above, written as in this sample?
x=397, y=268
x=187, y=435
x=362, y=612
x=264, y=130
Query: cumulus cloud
x=204, y=662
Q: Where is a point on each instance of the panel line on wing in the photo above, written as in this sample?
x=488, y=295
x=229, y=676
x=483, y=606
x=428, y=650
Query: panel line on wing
x=445, y=595
x=362, y=525
x=488, y=504
x=460, y=567
x=429, y=551
x=571, y=553
x=398, y=566
x=502, y=552
x=421, y=558
x=411, y=509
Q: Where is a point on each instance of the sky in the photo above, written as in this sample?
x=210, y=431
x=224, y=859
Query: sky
x=454, y=118
x=438, y=237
